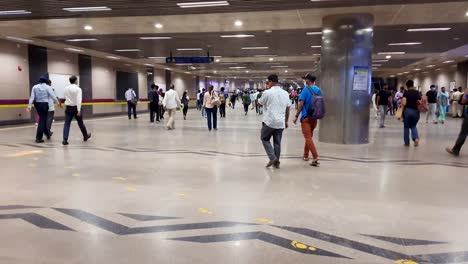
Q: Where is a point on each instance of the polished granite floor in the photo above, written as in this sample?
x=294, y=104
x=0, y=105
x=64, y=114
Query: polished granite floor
x=137, y=193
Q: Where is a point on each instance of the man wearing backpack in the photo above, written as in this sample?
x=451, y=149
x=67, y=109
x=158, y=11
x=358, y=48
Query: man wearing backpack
x=310, y=109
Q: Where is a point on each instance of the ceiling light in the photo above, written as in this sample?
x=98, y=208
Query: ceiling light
x=271, y=59
x=405, y=44
x=425, y=72
x=127, y=50
x=417, y=69
x=167, y=69
x=265, y=55
x=218, y=60
x=392, y=53
x=399, y=73
x=156, y=58
x=438, y=69
x=150, y=65
x=14, y=12
x=88, y=27
x=19, y=39
x=158, y=25
x=238, y=36
x=466, y=14
x=87, y=9
x=203, y=4
x=448, y=61
x=391, y=76
x=254, y=48
x=113, y=57
x=380, y=61
x=406, y=72
x=268, y=31
x=81, y=40
x=430, y=66
x=184, y=64
x=286, y=71
x=246, y=71
x=326, y=31
x=215, y=71
x=187, y=72
x=427, y=29
x=317, y=46
x=388, y=57
x=154, y=38
x=238, y=23
x=314, y=33
x=73, y=49
x=189, y=49
x=237, y=67
x=280, y=66
x=217, y=56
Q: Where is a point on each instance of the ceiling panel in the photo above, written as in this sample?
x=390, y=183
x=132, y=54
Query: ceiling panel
x=53, y=8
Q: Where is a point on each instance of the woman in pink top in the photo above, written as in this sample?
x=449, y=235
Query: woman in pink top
x=211, y=108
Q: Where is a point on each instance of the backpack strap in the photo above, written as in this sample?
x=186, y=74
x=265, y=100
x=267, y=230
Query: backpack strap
x=312, y=91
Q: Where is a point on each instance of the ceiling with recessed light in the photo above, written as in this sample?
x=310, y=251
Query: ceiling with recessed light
x=273, y=36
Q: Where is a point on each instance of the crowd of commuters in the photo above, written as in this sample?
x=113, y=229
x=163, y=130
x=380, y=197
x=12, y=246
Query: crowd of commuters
x=273, y=103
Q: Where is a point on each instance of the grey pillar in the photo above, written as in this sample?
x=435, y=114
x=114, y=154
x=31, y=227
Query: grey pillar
x=346, y=71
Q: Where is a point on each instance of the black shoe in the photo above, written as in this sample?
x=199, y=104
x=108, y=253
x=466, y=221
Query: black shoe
x=87, y=137
x=315, y=163
x=50, y=135
x=450, y=151
x=65, y=143
x=270, y=163
x=277, y=165
x=38, y=141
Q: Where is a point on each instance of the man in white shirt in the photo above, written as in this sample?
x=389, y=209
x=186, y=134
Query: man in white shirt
x=457, y=108
x=171, y=102
x=276, y=105
x=132, y=100
x=73, y=100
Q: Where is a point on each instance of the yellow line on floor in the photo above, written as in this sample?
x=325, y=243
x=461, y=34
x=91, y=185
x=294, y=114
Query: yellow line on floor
x=24, y=153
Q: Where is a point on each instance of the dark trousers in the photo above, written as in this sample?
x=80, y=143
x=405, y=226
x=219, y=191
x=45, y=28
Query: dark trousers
x=462, y=136
x=233, y=103
x=410, y=123
x=222, y=110
x=154, y=108
x=42, y=110
x=70, y=113
x=185, y=111
x=161, y=112
x=50, y=120
x=212, y=116
x=273, y=152
x=246, y=108
x=131, y=106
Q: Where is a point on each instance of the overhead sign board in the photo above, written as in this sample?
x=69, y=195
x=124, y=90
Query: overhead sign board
x=189, y=60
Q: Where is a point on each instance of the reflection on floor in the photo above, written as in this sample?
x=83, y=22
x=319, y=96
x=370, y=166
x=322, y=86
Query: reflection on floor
x=137, y=193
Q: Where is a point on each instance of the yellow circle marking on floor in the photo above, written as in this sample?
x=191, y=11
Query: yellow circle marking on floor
x=181, y=194
x=300, y=245
x=263, y=220
x=312, y=249
x=131, y=189
x=76, y=175
x=119, y=178
x=204, y=211
x=405, y=261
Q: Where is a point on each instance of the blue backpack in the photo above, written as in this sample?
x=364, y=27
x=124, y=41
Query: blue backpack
x=316, y=108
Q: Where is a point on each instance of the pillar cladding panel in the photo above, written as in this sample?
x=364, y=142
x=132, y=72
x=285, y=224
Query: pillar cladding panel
x=346, y=44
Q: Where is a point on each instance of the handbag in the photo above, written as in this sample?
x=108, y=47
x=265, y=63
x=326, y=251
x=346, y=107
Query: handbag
x=215, y=100
x=399, y=113
x=422, y=106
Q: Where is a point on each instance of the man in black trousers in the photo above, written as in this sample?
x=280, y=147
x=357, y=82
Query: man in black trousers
x=464, y=129
x=73, y=100
x=153, y=98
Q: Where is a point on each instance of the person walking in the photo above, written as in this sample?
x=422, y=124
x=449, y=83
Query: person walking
x=432, y=100
x=246, y=101
x=411, y=114
x=382, y=102
x=464, y=129
x=51, y=113
x=41, y=94
x=171, y=103
x=276, y=103
x=260, y=107
x=374, y=104
x=73, y=100
x=161, y=106
x=132, y=100
x=442, y=102
x=222, y=98
x=233, y=99
x=185, y=100
x=308, y=125
x=153, y=99
x=457, y=108
x=211, y=102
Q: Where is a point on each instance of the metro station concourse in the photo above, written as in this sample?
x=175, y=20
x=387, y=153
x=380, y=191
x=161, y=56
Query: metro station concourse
x=138, y=131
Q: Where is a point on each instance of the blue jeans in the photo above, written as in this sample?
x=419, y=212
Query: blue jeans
x=212, y=115
x=411, y=121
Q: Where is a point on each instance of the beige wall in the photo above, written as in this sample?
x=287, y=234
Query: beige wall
x=14, y=84
x=184, y=82
x=423, y=81
x=61, y=62
x=160, y=78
